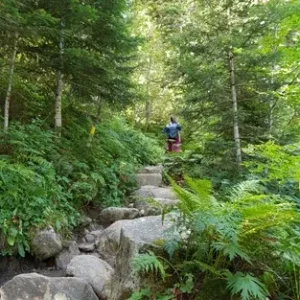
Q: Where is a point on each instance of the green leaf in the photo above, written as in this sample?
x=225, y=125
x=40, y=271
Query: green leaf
x=58, y=225
x=21, y=249
x=247, y=286
x=11, y=240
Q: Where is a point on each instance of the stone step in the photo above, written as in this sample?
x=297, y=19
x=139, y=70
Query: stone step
x=149, y=191
x=152, y=170
x=154, y=179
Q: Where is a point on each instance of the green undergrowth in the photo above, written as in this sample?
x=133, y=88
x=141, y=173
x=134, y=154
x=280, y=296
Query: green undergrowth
x=240, y=242
x=48, y=180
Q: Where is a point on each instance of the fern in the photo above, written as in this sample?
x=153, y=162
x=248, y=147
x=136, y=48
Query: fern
x=232, y=250
x=243, y=190
x=198, y=198
x=247, y=286
x=148, y=262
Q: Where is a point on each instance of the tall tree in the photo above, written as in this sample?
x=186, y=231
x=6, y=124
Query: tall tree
x=10, y=81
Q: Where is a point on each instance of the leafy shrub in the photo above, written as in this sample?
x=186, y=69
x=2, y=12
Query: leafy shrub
x=30, y=197
x=46, y=180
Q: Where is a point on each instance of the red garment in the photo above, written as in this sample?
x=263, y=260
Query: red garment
x=174, y=146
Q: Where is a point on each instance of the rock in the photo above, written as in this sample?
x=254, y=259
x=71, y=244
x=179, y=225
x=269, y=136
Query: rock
x=112, y=214
x=93, y=270
x=46, y=244
x=97, y=233
x=137, y=235
x=152, y=199
x=85, y=221
x=149, y=179
x=63, y=258
x=153, y=207
x=94, y=226
x=38, y=287
x=89, y=238
x=109, y=241
x=152, y=170
x=87, y=247
x=154, y=192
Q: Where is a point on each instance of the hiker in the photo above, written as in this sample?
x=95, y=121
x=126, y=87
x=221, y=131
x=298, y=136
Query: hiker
x=172, y=132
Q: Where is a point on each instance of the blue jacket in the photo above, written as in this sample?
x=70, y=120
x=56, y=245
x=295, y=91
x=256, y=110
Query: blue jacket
x=172, y=129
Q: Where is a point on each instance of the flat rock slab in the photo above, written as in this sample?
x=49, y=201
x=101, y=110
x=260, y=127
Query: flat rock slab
x=154, y=206
x=154, y=192
x=149, y=179
x=112, y=214
x=95, y=271
x=152, y=170
x=34, y=286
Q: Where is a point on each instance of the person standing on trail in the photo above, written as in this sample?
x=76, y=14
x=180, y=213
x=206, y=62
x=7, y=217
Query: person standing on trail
x=172, y=131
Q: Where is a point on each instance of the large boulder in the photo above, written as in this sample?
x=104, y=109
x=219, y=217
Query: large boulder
x=38, y=287
x=112, y=214
x=137, y=236
x=154, y=179
x=46, y=243
x=95, y=271
x=64, y=257
x=108, y=242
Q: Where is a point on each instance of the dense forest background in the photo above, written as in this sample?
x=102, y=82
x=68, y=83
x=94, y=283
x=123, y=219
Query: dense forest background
x=85, y=90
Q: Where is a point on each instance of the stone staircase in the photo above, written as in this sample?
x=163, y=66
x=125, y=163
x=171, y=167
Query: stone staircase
x=98, y=264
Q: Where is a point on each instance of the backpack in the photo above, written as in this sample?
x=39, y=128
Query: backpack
x=172, y=130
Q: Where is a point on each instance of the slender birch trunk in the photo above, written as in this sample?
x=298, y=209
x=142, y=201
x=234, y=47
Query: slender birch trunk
x=10, y=82
x=59, y=82
x=236, y=130
x=148, y=101
x=147, y=112
x=272, y=102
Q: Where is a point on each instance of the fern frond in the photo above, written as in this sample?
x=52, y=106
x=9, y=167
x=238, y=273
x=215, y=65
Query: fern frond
x=195, y=200
x=243, y=189
x=247, y=286
x=202, y=188
x=148, y=262
x=204, y=267
x=232, y=250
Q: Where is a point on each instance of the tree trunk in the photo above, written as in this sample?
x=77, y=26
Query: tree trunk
x=58, y=100
x=272, y=102
x=10, y=81
x=236, y=131
x=59, y=82
x=147, y=112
